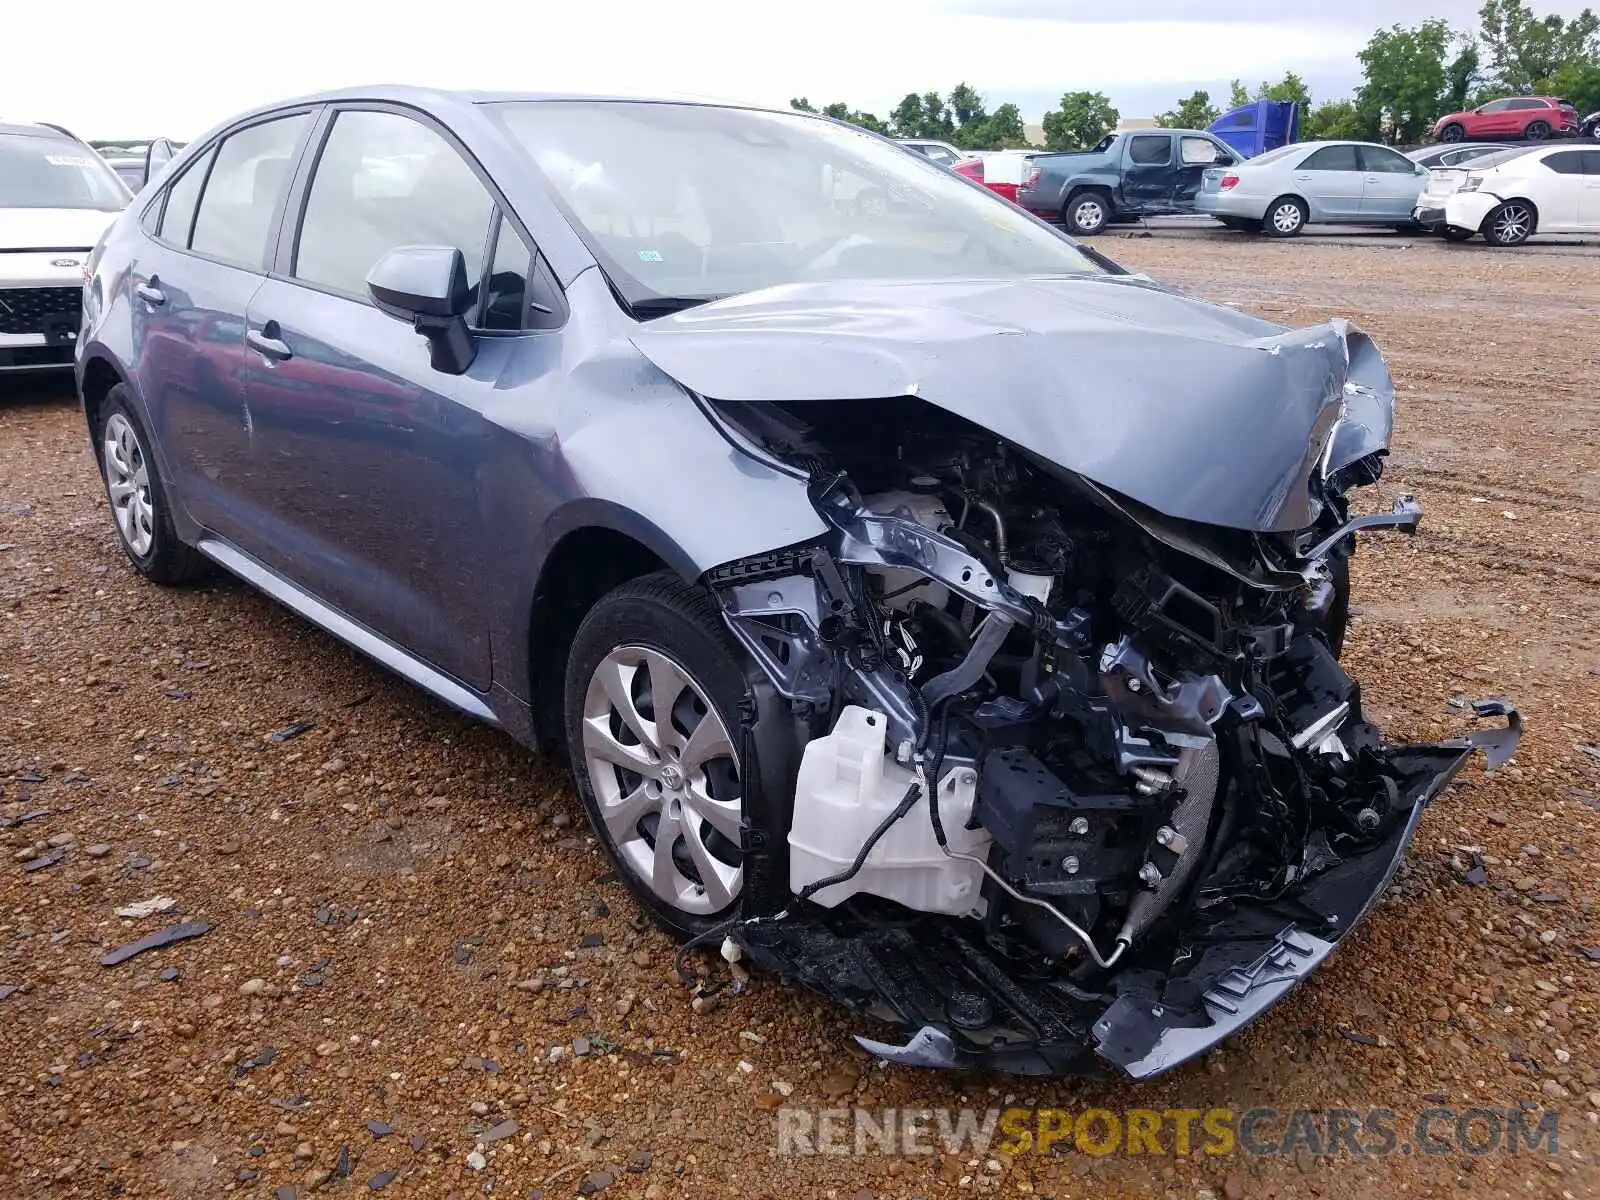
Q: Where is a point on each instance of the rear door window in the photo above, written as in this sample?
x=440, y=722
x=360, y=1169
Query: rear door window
x=177, y=216
x=1331, y=158
x=1150, y=151
x=244, y=189
x=1566, y=162
x=1388, y=162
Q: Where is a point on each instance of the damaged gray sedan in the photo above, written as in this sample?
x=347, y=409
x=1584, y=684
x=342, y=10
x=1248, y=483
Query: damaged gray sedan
x=932, y=611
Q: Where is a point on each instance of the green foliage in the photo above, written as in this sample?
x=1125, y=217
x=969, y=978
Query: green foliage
x=801, y=105
x=1525, y=52
x=1407, y=80
x=1081, y=120
x=1579, y=82
x=1333, y=120
x=1237, y=96
x=1194, y=113
x=1291, y=87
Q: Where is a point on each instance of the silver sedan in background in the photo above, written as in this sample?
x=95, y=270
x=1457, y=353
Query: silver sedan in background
x=1322, y=183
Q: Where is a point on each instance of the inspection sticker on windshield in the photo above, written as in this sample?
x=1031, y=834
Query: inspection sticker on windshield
x=66, y=160
x=650, y=256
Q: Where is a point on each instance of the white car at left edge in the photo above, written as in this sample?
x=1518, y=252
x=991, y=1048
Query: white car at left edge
x=1510, y=198
x=57, y=196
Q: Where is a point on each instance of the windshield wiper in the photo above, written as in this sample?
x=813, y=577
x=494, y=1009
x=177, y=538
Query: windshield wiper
x=665, y=306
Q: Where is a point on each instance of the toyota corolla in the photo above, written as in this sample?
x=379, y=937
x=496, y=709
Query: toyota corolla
x=930, y=610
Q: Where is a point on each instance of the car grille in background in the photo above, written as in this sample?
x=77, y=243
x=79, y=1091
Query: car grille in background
x=40, y=309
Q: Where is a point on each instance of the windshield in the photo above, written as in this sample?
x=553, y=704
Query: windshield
x=693, y=202
x=47, y=172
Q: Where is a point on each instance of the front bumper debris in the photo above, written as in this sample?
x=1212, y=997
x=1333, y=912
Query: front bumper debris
x=966, y=1004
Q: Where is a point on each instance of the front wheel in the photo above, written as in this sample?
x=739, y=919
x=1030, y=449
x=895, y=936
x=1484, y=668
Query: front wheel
x=1509, y=225
x=1452, y=133
x=653, y=693
x=1087, y=214
x=1286, y=217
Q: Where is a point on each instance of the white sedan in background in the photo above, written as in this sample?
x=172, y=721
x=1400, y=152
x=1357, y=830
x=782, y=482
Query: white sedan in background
x=1314, y=183
x=1510, y=197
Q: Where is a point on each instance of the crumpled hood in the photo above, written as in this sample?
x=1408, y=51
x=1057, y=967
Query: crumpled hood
x=1197, y=411
x=52, y=228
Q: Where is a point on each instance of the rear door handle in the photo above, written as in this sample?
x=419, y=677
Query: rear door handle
x=150, y=293
x=270, y=348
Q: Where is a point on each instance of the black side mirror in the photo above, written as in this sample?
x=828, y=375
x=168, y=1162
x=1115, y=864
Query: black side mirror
x=426, y=286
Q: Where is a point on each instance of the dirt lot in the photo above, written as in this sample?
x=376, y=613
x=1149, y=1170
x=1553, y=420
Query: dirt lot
x=405, y=915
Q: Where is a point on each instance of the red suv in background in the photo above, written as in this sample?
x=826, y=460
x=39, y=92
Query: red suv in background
x=1533, y=118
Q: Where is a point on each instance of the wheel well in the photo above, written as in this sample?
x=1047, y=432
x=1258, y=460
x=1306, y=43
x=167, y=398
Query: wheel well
x=584, y=565
x=99, y=377
x=1532, y=208
x=1079, y=189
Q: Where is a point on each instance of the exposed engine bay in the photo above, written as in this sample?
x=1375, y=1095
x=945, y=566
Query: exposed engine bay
x=1073, y=781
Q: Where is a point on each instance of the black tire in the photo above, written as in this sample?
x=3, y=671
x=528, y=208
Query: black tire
x=1453, y=133
x=1451, y=233
x=1087, y=212
x=1276, y=223
x=1537, y=131
x=167, y=560
x=1510, y=224
x=662, y=614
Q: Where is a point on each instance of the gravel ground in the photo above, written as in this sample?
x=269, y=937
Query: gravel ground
x=406, y=915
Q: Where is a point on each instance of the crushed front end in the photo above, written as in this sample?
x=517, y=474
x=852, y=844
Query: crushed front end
x=1075, y=783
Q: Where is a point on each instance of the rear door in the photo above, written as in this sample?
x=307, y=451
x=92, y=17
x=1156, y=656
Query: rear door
x=367, y=462
x=1330, y=179
x=1391, y=183
x=192, y=280
x=1196, y=155
x=1558, y=186
x=1149, y=175
x=1589, y=206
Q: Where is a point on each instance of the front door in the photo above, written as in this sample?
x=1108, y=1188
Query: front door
x=192, y=281
x=1391, y=183
x=366, y=463
x=1332, y=182
x=1148, y=173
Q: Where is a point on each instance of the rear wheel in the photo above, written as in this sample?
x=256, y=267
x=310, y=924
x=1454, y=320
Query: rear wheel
x=1537, y=131
x=1286, y=217
x=138, y=498
x=1087, y=213
x=653, y=693
x=1509, y=225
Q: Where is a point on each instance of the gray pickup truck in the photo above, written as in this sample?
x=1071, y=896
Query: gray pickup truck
x=1142, y=173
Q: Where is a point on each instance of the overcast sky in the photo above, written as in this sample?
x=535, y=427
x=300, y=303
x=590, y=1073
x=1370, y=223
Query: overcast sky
x=111, y=68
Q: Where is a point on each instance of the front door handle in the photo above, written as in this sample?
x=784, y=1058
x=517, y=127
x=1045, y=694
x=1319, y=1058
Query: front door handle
x=270, y=348
x=150, y=293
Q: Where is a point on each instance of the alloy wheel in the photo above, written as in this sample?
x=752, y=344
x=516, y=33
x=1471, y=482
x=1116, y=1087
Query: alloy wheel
x=128, y=485
x=1537, y=132
x=665, y=776
x=1088, y=215
x=1511, y=224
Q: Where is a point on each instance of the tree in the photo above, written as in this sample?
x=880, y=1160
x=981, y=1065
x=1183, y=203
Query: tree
x=1525, y=51
x=1194, y=113
x=1334, y=120
x=1579, y=82
x=1461, y=76
x=801, y=105
x=1006, y=130
x=966, y=105
x=1406, y=80
x=1237, y=96
x=1081, y=120
x=1291, y=87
